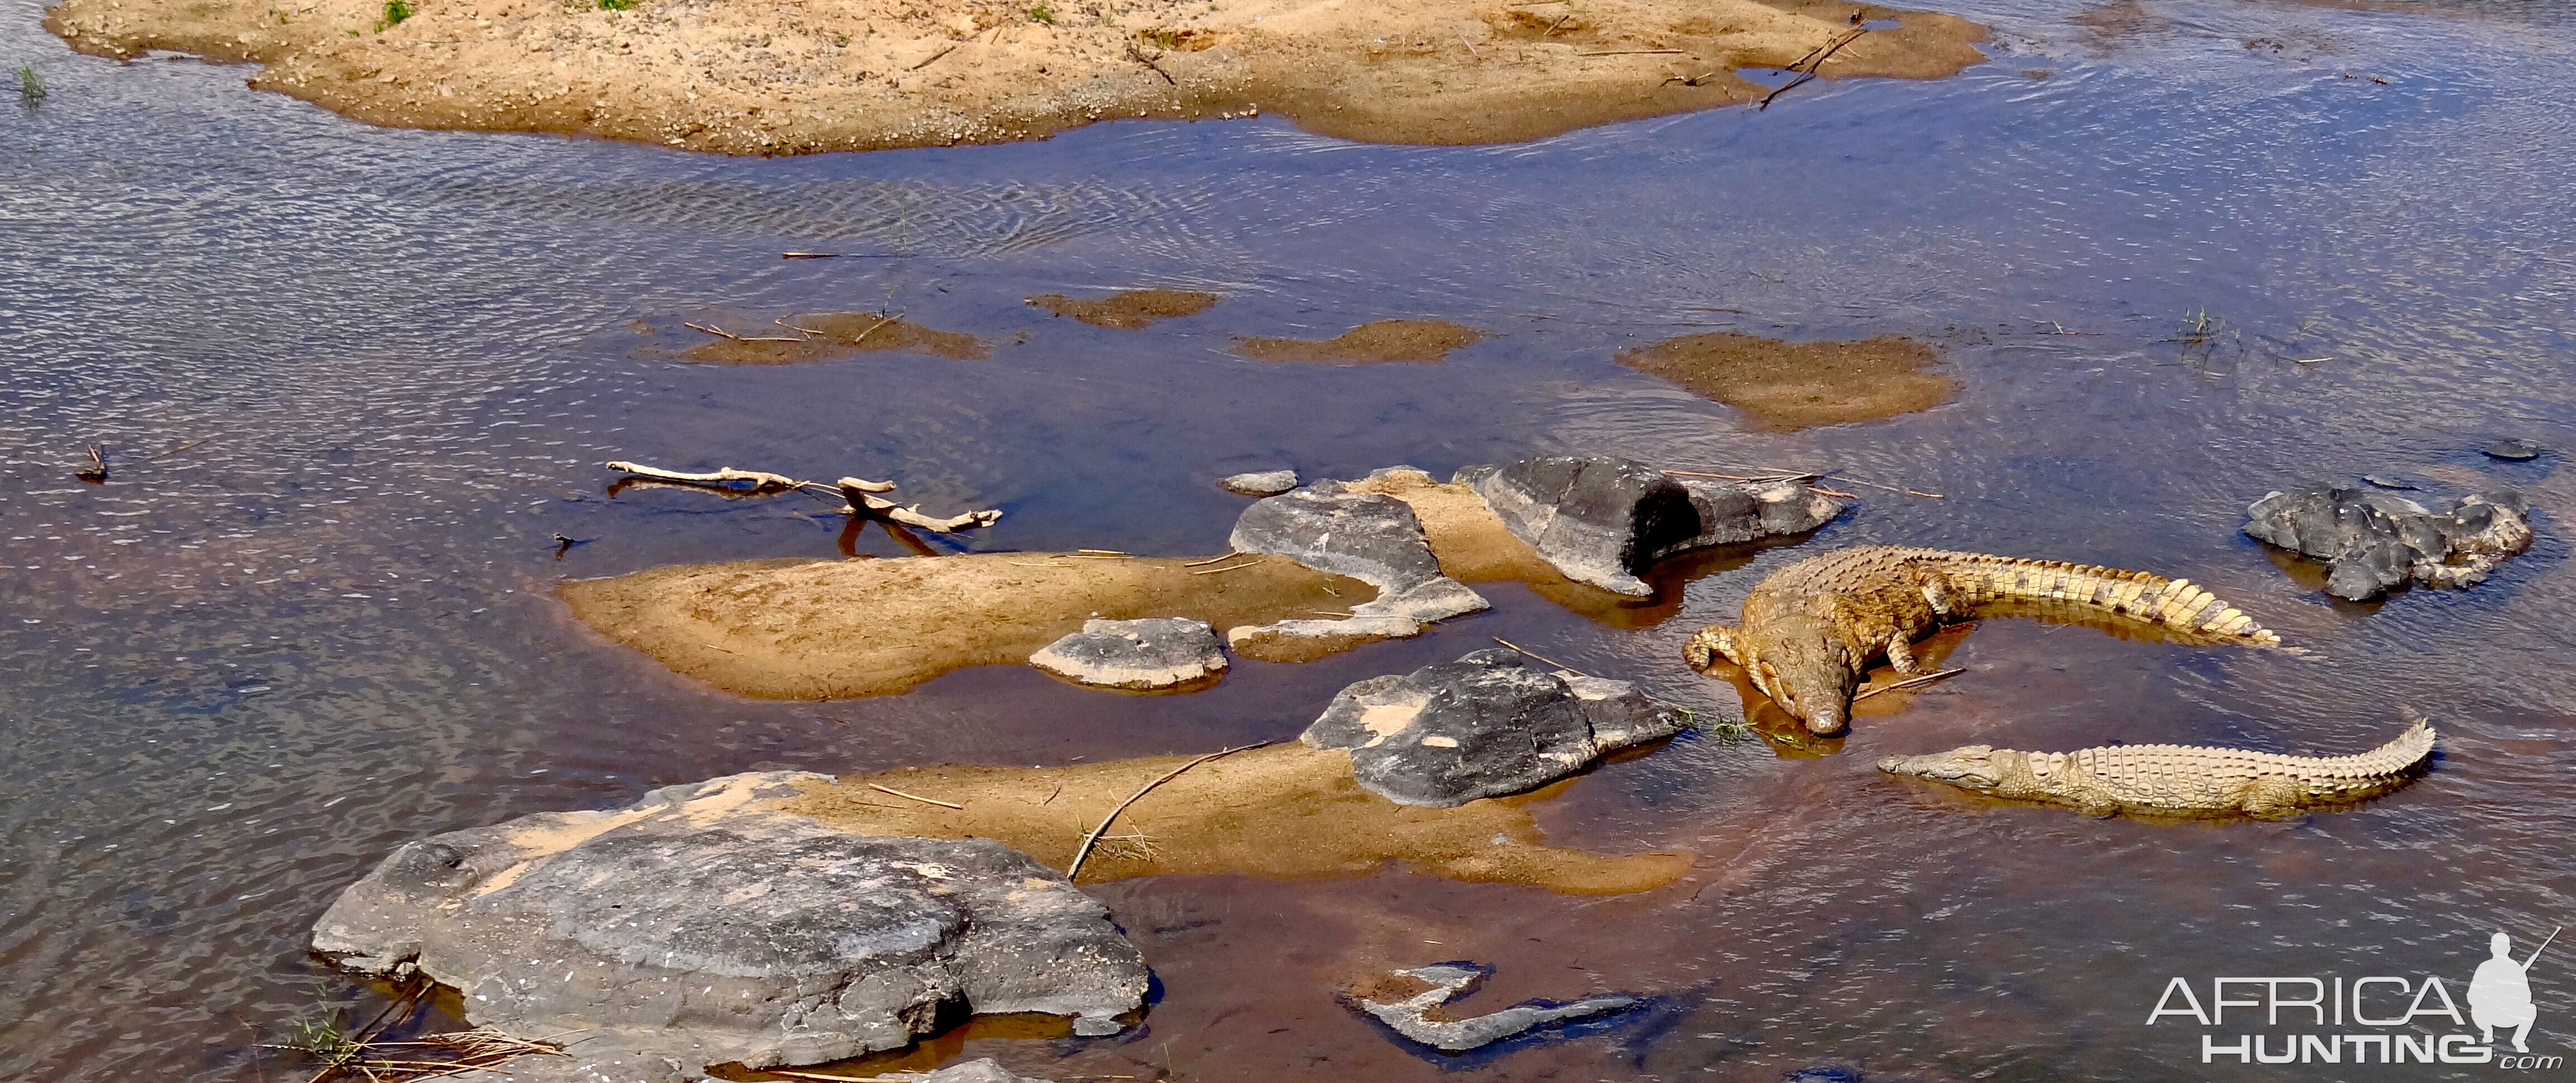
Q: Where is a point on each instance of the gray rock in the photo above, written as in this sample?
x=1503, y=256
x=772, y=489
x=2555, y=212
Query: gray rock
x=986, y=1070
x=1486, y=725
x=1370, y=537
x=2374, y=541
x=2512, y=449
x=702, y=926
x=1157, y=652
x=1411, y=1017
x=1602, y=520
x=1259, y=482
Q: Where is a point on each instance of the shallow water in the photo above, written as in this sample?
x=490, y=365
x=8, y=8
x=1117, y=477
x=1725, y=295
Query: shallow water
x=354, y=381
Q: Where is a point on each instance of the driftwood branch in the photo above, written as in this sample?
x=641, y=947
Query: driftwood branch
x=858, y=495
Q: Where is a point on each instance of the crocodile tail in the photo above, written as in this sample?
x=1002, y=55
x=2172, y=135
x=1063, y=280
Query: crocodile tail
x=2143, y=596
x=2407, y=752
x=1707, y=645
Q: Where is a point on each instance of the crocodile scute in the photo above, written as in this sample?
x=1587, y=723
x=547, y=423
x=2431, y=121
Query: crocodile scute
x=1811, y=629
x=2177, y=780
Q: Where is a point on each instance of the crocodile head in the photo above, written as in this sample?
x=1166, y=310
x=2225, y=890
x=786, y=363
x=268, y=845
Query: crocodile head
x=1976, y=767
x=1799, y=663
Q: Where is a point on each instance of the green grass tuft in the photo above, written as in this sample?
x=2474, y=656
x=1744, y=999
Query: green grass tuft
x=1042, y=14
x=30, y=88
x=619, y=5
x=395, y=12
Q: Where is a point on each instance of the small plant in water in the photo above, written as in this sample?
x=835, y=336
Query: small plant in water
x=30, y=88
x=395, y=12
x=325, y=1040
x=2198, y=326
x=1042, y=14
x=1729, y=730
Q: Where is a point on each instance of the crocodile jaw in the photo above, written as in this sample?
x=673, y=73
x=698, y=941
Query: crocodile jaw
x=1799, y=662
x=1976, y=767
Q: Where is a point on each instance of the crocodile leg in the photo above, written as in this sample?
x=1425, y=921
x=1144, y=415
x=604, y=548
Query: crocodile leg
x=1900, y=653
x=1708, y=644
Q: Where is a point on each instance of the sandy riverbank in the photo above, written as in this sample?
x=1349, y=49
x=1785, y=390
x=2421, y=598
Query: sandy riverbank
x=793, y=76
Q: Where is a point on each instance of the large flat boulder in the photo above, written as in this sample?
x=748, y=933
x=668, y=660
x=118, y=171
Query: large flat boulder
x=1374, y=538
x=1603, y=520
x=699, y=926
x=1486, y=725
x=2373, y=541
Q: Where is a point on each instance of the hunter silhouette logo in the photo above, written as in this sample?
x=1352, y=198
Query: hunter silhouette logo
x=2500, y=993
x=2377, y=1019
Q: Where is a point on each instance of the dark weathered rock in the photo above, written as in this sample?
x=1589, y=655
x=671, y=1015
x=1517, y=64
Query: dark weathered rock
x=1411, y=1016
x=1602, y=520
x=1259, y=482
x=699, y=926
x=1370, y=537
x=1156, y=652
x=2374, y=541
x=2512, y=449
x=1486, y=725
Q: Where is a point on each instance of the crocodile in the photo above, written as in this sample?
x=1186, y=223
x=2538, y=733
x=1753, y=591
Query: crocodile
x=2177, y=780
x=1810, y=630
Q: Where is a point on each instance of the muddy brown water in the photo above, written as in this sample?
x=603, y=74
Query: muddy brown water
x=352, y=383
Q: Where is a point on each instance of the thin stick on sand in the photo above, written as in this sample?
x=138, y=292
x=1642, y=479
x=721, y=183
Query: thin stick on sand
x=1093, y=839
x=914, y=796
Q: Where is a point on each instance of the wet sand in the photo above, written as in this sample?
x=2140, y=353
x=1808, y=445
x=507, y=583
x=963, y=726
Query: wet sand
x=1783, y=386
x=837, y=629
x=1419, y=341
x=1129, y=310
x=775, y=77
x=827, y=336
x=1285, y=811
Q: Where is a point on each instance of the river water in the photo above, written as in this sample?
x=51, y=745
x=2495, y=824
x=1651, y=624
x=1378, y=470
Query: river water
x=353, y=382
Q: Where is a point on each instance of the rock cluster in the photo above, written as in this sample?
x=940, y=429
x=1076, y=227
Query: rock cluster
x=1486, y=725
x=691, y=929
x=2373, y=541
x=1157, y=652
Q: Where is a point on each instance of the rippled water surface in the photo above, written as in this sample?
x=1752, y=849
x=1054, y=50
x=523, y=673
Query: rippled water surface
x=354, y=381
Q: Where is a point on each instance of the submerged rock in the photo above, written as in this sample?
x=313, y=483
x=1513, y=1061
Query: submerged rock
x=1370, y=537
x=1411, y=1016
x=1157, y=652
x=1602, y=520
x=986, y=1070
x=1486, y=725
x=2373, y=541
x=692, y=928
x=1259, y=482
x=2512, y=450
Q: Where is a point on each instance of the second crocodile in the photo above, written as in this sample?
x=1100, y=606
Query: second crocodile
x=2177, y=780
x=1811, y=629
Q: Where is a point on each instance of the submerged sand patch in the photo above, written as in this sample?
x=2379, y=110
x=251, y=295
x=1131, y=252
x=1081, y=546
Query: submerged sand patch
x=1128, y=310
x=1286, y=811
x=1418, y=341
x=830, y=335
x=785, y=76
x=1794, y=385
x=837, y=629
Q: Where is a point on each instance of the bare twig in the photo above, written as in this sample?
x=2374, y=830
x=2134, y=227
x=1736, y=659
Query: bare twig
x=1138, y=55
x=914, y=796
x=1540, y=657
x=716, y=331
x=1551, y=27
x=808, y=255
x=97, y=468
x=1636, y=52
x=1907, y=683
x=1471, y=46
x=863, y=335
x=933, y=57
x=1256, y=559
x=722, y=477
x=1093, y=839
x=1214, y=560
x=1819, y=53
